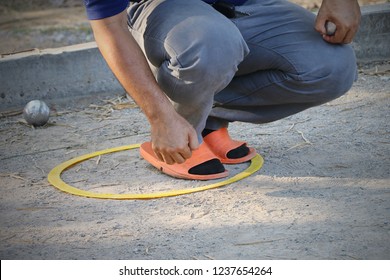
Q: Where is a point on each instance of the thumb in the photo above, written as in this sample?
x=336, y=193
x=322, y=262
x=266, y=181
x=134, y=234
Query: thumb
x=193, y=142
x=320, y=24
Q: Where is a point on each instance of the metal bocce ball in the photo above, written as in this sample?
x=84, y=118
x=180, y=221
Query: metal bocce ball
x=36, y=113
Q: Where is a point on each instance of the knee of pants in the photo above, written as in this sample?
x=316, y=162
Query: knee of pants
x=332, y=76
x=201, y=57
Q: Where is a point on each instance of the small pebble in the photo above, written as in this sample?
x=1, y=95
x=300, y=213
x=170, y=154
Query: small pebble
x=330, y=28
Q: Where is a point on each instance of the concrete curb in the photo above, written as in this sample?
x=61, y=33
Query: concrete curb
x=80, y=70
x=372, y=42
x=49, y=74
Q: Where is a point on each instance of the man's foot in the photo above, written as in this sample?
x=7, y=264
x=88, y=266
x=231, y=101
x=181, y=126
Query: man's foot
x=212, y=166
x=203, y=164
x=238, y=152
x=227, y=150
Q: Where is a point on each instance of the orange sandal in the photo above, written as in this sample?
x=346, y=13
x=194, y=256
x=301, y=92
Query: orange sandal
x=202, y=154
x=220, y=144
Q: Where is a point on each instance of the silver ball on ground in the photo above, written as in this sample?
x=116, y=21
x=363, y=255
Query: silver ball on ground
x=36, y=113
x=330, y=28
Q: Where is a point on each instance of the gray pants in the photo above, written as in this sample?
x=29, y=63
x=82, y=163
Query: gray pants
x=264, y=65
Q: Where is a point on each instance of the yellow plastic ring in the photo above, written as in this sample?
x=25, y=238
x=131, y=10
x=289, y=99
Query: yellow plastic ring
x=54, y=178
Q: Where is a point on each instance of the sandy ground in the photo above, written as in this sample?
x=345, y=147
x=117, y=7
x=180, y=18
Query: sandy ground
x=323, y=192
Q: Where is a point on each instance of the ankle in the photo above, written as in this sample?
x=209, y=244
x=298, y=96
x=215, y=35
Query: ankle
x=206, y=132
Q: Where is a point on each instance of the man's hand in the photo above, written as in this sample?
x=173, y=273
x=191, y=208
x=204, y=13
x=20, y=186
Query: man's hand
x=173, y=138
x=345, y=14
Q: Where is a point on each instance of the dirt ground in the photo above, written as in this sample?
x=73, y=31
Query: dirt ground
x=323, y=192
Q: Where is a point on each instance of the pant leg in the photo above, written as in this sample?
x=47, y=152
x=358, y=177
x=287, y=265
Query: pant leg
x=192, y=50
x=290, y=67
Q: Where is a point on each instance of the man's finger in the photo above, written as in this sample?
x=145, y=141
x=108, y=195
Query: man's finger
x=193, y=142
x=348, y=37
x=178, y=158
x=320, y=25
x=186, y=153
x=168, y=159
